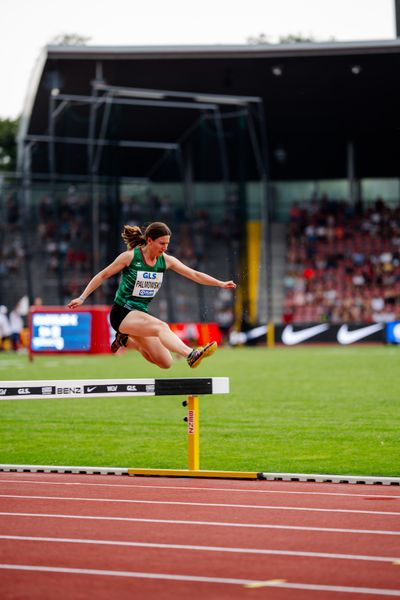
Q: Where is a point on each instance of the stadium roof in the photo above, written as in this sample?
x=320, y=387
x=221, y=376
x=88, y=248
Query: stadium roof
x=317, y=98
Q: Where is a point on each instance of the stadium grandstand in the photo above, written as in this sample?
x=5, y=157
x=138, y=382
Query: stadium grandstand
x=275, y=165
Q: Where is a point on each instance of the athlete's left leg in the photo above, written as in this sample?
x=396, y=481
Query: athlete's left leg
x=152, y=350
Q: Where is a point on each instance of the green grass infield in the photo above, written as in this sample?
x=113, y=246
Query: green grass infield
x=291, y=410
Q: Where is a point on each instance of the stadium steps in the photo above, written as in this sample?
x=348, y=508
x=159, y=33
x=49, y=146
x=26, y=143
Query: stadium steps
x=278, y=257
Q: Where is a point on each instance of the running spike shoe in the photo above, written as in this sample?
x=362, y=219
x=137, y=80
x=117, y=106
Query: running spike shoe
x=121, y=339
x=197, y=355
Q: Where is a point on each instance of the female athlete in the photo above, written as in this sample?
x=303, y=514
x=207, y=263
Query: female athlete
x=142, y=267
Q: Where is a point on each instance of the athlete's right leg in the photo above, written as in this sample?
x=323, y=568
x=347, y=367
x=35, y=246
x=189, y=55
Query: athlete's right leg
x=152, y=350
x=143, y=326
x=139, y=324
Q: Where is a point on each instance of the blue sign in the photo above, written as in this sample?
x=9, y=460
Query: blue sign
x=393, y=332
x=61, y=332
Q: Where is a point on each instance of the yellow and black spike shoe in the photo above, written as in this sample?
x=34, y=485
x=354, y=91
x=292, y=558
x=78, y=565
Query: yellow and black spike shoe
x=197, y=355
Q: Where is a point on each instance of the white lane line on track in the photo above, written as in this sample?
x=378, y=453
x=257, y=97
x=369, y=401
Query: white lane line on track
x=201, y=489
x=199, y=579
x=203, y=504
x=186, y=547
x=204, y=523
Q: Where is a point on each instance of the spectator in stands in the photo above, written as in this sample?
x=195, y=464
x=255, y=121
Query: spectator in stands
x=13, y=214
x=16, y=327
x=5, y=329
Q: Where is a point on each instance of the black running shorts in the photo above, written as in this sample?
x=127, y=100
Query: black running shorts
x=117, y=315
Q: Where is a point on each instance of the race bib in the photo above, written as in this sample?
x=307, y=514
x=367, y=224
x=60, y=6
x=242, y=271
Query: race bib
x=147, y=284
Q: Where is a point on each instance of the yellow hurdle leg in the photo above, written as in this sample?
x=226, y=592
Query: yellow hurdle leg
x=193, y=433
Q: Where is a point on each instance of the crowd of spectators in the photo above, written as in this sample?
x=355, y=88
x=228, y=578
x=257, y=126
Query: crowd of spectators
x=343, y=262
x=12, y=251
x=64, y=229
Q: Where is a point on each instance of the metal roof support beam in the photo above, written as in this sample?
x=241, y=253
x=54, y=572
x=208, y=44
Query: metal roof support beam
x=46, y=139
x=163, y=94
x=144, y=95
x=77, y=177
x=136, y=102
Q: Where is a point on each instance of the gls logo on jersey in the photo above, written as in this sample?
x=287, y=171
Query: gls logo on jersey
x=147, y=284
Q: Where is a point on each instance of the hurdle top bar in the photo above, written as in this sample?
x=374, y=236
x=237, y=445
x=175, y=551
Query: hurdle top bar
x=112, y=388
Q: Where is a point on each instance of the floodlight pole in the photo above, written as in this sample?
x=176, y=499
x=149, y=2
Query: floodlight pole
x=52, y=171
x=102, y=134
x=26, y=201
x=222, y=147
x=92, y=186
x=93, y=163
x=91, y=131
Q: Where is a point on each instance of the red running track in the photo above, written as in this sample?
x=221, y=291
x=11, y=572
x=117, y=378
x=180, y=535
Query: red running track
x=105, y=537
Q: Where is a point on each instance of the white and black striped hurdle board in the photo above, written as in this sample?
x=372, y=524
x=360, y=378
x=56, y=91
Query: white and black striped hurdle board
x=112, y=388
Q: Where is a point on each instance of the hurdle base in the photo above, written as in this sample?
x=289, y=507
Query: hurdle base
x=195, y=473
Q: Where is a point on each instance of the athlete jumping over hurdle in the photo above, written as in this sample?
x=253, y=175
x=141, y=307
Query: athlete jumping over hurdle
x=143, y=266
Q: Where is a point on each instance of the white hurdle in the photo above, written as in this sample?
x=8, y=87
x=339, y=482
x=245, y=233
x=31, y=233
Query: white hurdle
x=191, y=387
x=111, y=388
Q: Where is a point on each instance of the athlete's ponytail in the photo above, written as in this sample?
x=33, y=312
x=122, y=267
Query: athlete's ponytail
x=133, y=236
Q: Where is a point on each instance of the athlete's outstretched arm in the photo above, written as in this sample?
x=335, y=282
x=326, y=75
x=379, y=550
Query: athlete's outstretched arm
x=179, y=267
x=122, y=261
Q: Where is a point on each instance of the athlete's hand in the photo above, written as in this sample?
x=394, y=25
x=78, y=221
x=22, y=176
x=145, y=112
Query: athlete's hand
x=228, y=284
x=75, y=303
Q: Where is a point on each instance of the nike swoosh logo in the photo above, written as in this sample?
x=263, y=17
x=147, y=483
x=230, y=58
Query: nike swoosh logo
x=90, y=389
x=256, y=332
x=344, y=336
x=290, y=337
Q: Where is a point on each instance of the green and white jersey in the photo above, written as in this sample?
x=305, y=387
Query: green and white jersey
x=139, y=282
